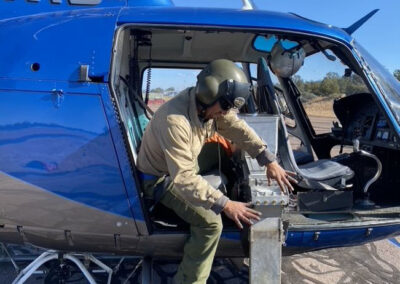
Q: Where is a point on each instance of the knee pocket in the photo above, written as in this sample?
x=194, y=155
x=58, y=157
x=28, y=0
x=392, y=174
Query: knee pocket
x=210, y=221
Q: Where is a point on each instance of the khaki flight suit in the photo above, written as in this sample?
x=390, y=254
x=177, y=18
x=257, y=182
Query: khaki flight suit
x=170, y=146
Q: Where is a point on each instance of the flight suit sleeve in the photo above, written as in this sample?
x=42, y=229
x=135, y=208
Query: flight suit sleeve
x=237, y=130
x=175, y=141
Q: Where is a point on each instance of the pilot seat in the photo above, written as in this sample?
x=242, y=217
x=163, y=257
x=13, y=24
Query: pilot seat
x=322, y=175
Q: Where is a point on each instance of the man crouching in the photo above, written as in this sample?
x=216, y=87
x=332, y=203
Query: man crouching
x=170, y=147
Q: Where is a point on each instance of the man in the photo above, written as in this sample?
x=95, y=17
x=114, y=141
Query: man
x=169, y=150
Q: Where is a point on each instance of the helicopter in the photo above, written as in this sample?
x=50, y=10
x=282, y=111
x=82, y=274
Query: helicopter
x=75, y=83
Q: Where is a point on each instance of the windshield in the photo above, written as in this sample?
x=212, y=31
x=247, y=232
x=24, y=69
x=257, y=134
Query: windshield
x=387, y=82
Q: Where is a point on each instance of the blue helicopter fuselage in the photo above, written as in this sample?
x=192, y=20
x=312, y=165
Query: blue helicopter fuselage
x=64, y=165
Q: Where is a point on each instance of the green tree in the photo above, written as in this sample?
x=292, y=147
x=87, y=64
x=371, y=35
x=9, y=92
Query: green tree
x=313, y=87
x=343, y=82
x=298, y=81
x=332, y=76
x=396, y=73
x=157, y=90
x=329, y=86
x=356, y=85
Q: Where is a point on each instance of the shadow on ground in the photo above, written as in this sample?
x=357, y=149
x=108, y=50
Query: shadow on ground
x=371, y=263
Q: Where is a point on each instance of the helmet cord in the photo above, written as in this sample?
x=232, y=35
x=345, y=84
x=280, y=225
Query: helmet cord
x=220, y=162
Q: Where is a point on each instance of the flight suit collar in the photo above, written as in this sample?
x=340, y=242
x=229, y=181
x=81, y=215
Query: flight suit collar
x=204, y=128
x=193, y=115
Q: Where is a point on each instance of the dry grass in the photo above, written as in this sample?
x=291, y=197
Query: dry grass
x=322, y=107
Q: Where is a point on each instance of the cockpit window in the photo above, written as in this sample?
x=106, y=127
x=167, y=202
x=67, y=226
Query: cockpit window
x=161, y=84
x=385, y=80
x=319, y=82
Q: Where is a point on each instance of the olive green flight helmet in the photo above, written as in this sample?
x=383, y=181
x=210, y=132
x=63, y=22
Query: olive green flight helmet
x=222, y=80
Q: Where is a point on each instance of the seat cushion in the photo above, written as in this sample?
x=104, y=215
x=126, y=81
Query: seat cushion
x=302, y=157
x=325, y=170
x=165, y=218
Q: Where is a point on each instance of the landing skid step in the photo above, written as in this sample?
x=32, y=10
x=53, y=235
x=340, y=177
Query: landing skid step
x=51, y=255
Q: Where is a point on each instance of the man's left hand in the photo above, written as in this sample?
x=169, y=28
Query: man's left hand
x=282, y=177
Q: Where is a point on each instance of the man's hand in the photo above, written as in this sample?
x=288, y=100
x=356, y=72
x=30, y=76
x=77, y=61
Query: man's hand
x=282, y=177
x=239, y=211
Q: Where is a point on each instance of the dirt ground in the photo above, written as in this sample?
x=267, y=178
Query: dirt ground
x=372, y=263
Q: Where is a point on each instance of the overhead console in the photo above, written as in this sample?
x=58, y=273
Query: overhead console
x=361, y=119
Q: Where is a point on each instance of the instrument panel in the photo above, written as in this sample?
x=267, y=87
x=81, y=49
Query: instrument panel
x=361, y=119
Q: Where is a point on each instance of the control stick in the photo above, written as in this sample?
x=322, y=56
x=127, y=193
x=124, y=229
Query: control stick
x=366, y=202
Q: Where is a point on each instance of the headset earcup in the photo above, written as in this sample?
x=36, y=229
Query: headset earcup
x=207, y=90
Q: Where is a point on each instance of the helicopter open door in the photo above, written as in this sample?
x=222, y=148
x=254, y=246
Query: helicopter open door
x=158, y=50
x=58, y=156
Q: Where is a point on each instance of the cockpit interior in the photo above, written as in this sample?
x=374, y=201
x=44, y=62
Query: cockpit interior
x=344, y=167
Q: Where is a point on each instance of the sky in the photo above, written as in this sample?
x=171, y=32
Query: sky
x=380, y=35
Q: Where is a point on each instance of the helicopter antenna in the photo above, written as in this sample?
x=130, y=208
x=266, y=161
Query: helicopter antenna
x=351, y=29
x=248, y=5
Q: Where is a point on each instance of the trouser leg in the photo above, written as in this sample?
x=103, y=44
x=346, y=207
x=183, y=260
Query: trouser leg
x=200, y=247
